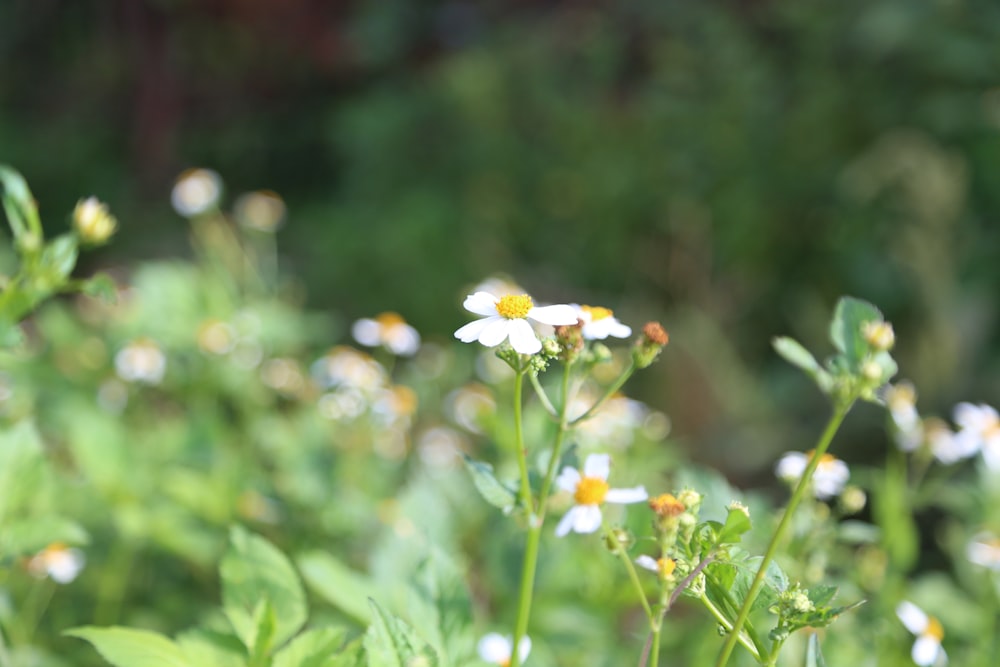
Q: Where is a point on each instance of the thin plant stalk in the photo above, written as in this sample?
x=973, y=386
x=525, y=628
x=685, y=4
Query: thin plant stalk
x=822, y=445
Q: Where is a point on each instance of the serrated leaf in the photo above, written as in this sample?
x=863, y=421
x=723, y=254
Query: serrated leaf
x=441, y=609
x=390, y=642
x=205, y=648
x=254, y=570
x=846, y=329
x=492, y=490
x=314, y=648
x=821, y=595
x=128, y=647
x=353, y=655
x=338, y=584
x=737, y=524
x=814, y=658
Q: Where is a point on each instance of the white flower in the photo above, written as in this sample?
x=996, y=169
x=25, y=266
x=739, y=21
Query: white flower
x=984, y=550
x=196, y=192
x=141, y=361
x=346, y=367
x=829, y=479
x=979, y=430
x=497, y=649
x=944, y=443
x=901, y=399
x=599, y=323
x=388, y=330
x=927, y=649
x=661, y=566
x=507, y=318
x=57, y=561
x=262, y=210
x=590, y=490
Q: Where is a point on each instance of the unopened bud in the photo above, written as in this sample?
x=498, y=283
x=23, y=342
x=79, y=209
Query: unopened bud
x=93, y=222
x=879, y=335
x=649, y=344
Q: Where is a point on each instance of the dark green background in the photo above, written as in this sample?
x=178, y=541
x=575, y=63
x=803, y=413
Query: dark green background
x=730, y=168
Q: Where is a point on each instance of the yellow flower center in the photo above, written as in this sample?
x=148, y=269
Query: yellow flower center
x=666, y=566
x=389, y=319
x=666, y=505
x=933, y=629
x=590, y=491
x=597, y=313
x=515, y=307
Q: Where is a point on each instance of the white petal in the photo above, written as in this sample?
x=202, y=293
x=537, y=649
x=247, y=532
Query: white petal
x=523, y=338
x=647, y=562
x=568, y=479
x=622, y=496
x=553, y=315
x=912, y=616
x=790, y=466
x=586, y=518
x=367, y=331
x=925, y=650
x=481, y=303
x=495, y=332
x=566, y=523
x=524, y=647
x=597, y=465
x=495, y=648
x=471, y=331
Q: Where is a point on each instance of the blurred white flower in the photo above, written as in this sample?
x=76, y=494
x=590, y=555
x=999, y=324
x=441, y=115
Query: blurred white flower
x=216, y=337
x=506, y=318
x=590, y=490
x=829, y=479
x=927, y=651
x=388, y=330
x=661, y=566
x=599, y=323
x=57, y=561
x=614, y=425
x=984, y=550
x=142, y=360
x=901, y=399
x=944, y=446
x=345, y=366
x=283, y=375
x=262, y=210
x=196, y=192
x=440, y=447
x=470, y=406
x=979, y=430
x=498, y=649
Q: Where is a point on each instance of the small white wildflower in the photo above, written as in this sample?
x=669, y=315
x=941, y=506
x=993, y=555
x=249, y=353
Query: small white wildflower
x=599, y=323
x=506, y=318
x=661, y=566
x=979, y=431
x=590, y=490
x=142, y=360
x=388, y=330
x=196, y=192
x=984, y=550
x=829, y=479
x=927, y=650
x=943, y=443
x=60, y=563
x=262, y=210
x=497, y=649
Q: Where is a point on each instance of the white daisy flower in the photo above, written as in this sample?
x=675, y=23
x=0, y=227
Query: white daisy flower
x=57, y=561
x=590, y=490
x=944, y=443
x=979, y=430
x=661, y=566
x=829, y=479
x=388, y=330
x=497, y=649
x=506, y=318
x=901, y=399
x=196, y=192
x=142, y=360
x=599, y=323
x=927, y=651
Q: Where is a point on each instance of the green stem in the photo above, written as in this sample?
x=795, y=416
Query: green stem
x=633, y=577
x=721, y=618
x=550, y=470
x=612, y=390
x=542, y=396
x=840, y=411
x=527, y=589
x=522, y=455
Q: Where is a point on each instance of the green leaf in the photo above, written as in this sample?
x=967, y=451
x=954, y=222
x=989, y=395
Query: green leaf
x=18, y=203
x=205, y=648
x=794, y=353
x=353, y=655
x=814, y=658
x=254, y=570
x=390, y=642
x=314, y=648
x=128, y=647
x=28, y=536
x=737, y=523
x=58, y=259
x=441, y=609
x=338, y=584
x=22, y=467
x=846, y=329
x=492, y=490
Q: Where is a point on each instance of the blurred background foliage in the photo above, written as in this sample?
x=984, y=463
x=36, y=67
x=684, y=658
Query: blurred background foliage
x=722, y=166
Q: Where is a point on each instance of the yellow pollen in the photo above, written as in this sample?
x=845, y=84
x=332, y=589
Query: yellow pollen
x=590, y=491
x=666, y=505
x=597, y=313
x=389, y=319
x=933, y=629
x=515, y=307
x=666, y=566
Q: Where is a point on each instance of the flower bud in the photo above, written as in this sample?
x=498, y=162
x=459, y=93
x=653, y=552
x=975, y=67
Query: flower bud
x=650, y=343
x=879, y=335
x=93, y=222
